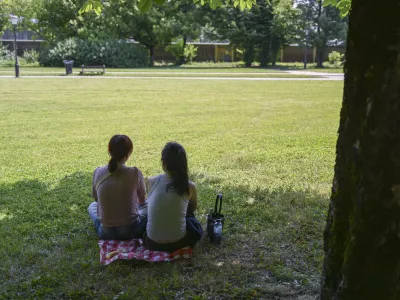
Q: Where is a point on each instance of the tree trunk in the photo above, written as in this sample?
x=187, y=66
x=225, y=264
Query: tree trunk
x=264, y=55
x=248, y=55
x=362, y=235
x=320, y=47
x=151, y=50
x=182, y=58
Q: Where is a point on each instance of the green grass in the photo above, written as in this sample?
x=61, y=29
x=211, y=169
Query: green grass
x=268, y=146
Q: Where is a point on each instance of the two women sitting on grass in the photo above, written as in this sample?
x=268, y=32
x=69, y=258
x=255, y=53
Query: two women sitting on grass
x=120, y=210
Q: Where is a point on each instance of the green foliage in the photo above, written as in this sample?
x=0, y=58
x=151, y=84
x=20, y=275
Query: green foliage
x=335, y=58
x=262, y=30
x=343, y=6
x=92, y=5
x=179, y=50
x=110, y=53
x=125, y=21
x=7, y=58
x=31, y=56
x=145, y=5
x=190, y=53
x=5, y=53
x=176, y=49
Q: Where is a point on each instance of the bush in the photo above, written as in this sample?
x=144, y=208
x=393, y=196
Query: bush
x=114, y=54
x=7, y=58
x=176, y=50
x=31, y=57
x=335, y=58
x=189, y=52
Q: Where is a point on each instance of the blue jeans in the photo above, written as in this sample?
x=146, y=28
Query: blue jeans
x=134, y=230
x=194, y=232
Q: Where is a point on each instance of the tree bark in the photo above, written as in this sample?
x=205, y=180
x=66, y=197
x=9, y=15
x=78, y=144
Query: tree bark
x=362, y=235
x=182, y=58
x=151, y=51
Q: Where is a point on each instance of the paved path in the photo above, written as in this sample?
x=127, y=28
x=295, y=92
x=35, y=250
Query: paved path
x=332, y=76
x=322, y=78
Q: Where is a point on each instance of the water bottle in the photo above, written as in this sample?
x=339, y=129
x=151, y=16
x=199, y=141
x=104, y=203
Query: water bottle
x=217, y=232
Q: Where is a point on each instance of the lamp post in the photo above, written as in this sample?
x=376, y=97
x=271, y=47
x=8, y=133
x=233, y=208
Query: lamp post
x=14, y=22
x=305, y=50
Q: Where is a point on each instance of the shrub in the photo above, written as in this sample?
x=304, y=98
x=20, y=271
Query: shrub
x=31, y=57
x=177, y=51
x=5, y=54
x=190, y=53
x=7, y=58
x=114, y=54
x=335, y=58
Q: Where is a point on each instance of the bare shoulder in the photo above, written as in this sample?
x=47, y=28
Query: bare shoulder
x=100, y=171
x=152, y=179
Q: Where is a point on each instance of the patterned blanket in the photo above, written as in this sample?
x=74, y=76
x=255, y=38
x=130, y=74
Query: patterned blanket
x=113, y=250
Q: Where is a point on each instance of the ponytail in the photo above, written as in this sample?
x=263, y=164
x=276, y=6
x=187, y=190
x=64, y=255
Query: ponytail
x=112, y=165
x=120, y=146
x=174, y=158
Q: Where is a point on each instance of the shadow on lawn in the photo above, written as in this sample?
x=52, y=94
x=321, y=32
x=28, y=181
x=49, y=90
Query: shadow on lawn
x=272, y=246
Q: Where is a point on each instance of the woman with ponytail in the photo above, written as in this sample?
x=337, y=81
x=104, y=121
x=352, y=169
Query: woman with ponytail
x=118, y=190
x=171, y=202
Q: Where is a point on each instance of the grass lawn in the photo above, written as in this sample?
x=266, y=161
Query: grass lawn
x=268, y=146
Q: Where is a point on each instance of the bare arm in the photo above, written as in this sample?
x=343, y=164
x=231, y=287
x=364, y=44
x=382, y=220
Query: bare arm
x=94, y=191
x=192, y=197
x=150, y=181
x=141, y=191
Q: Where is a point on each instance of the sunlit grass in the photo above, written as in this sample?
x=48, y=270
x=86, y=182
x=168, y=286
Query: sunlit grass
x=268, y=146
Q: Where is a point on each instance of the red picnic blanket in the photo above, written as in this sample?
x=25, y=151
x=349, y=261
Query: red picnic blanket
x=112, y=250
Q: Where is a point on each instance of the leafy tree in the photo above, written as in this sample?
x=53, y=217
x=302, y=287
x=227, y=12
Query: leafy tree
x=323, y=24
x=151, y=29
x=186, y=19
x=145, y=5
x=342, y=5
x=264, y=28
x=4, y=15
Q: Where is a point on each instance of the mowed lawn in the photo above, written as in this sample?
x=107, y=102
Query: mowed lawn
x=267, y=146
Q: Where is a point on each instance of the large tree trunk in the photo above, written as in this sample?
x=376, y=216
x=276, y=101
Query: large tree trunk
x=362, y=236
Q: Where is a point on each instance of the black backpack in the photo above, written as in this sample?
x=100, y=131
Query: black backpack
x=215, y=222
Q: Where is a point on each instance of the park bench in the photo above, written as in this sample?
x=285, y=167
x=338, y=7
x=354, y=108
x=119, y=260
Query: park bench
x=93, y=69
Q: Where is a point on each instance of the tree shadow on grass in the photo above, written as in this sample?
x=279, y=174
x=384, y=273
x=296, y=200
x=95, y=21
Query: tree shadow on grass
x=272, y=246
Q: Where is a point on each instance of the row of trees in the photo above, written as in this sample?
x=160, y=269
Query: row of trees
x=258, y=32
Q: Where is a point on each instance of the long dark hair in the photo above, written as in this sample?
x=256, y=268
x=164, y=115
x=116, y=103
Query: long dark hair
x=119, y=146
x=174, y=159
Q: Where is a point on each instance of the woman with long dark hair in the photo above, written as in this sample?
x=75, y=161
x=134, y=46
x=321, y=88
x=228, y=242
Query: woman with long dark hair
x=171, y=202
x=118, y=190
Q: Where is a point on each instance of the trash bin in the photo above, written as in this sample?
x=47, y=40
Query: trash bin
x=68, y=66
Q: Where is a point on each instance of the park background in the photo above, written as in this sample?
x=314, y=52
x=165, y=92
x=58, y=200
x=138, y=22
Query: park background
x=266, y=143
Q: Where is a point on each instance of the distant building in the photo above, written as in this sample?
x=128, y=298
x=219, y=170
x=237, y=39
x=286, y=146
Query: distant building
x=26, y=40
